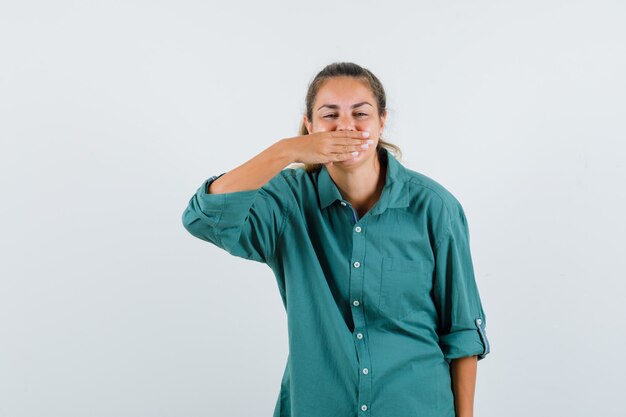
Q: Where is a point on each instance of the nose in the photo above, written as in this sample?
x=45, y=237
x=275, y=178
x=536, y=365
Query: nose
x=345, y=122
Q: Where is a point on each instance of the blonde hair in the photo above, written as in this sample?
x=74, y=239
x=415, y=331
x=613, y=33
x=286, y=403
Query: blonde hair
x=347, y=69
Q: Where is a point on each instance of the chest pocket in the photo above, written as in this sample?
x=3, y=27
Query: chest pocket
x=405, y=285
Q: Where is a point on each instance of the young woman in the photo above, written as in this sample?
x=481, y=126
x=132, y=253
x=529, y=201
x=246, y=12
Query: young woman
x=372, y=261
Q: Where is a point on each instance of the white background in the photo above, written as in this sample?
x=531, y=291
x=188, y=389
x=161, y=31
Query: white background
x=113, y=113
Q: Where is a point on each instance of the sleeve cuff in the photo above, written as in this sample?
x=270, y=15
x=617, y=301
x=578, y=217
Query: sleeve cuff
x=466, y=342
x=224, y=208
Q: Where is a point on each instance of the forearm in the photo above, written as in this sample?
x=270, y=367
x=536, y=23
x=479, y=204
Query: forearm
x=257, y=171
x=463, y=373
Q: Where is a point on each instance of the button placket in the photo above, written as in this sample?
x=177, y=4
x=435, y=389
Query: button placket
x=357, y=279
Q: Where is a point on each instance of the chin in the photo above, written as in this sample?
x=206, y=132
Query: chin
x=358, y=160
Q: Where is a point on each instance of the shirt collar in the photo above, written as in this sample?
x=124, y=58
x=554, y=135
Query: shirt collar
x=394, y=195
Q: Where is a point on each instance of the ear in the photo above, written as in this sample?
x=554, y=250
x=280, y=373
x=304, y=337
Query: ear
x=309, y=126
x=383, y=118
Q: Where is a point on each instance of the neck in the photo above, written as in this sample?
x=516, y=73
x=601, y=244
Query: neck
x=361, y=185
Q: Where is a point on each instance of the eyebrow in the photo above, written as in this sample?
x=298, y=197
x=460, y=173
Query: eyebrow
x=334, y=106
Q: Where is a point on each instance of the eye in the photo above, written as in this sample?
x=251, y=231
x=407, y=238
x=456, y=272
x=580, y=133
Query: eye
x=329, y=115
x=362, y=114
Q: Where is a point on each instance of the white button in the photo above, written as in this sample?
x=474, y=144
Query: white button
x=359, y=335
x=357, y=264
x=357, y=229
x=356, y=302
x=365, y=371
x=364, y=407
x=343, y=204
x=479, y=321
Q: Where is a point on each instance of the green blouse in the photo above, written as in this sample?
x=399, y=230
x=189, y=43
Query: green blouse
x=376, y=306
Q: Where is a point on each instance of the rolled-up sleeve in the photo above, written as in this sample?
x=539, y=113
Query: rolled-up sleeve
x=461, y=325
x=246, y=223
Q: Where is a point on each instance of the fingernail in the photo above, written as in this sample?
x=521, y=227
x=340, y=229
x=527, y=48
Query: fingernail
x=365, y=146
x=370, y=141
x=355, y=153
x=366, y=134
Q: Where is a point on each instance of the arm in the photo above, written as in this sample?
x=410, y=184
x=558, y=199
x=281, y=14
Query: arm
x=257, y=171
x=463, y=373
x=461, y=326
x=245, y=211
x=320, y=147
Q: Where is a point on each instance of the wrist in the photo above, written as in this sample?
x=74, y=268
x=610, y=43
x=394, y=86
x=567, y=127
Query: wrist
x=288, y=150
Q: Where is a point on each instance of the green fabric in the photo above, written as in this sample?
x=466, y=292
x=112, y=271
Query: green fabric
x=377, y=306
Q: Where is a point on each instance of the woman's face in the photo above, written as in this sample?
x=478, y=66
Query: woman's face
x=346, y=103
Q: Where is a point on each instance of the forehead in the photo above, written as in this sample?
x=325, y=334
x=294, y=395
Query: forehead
x=343, y=91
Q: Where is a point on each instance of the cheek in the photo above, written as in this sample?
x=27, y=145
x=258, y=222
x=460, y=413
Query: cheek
x=324, y=122
x=320, y=127
x=367, y=125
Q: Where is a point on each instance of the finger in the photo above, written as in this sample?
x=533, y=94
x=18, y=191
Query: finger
x=345, y=156
x=357, y=134
x=346, y=150
x=352, y=142
x=352, y=146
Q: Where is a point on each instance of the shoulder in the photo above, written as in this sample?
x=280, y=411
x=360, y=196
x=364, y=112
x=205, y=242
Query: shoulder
x=287, y=185
x=424, y=187
x=438, y=203
x=286, y=179
x=292, y=178
x=443, y=208
x=295, y=173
